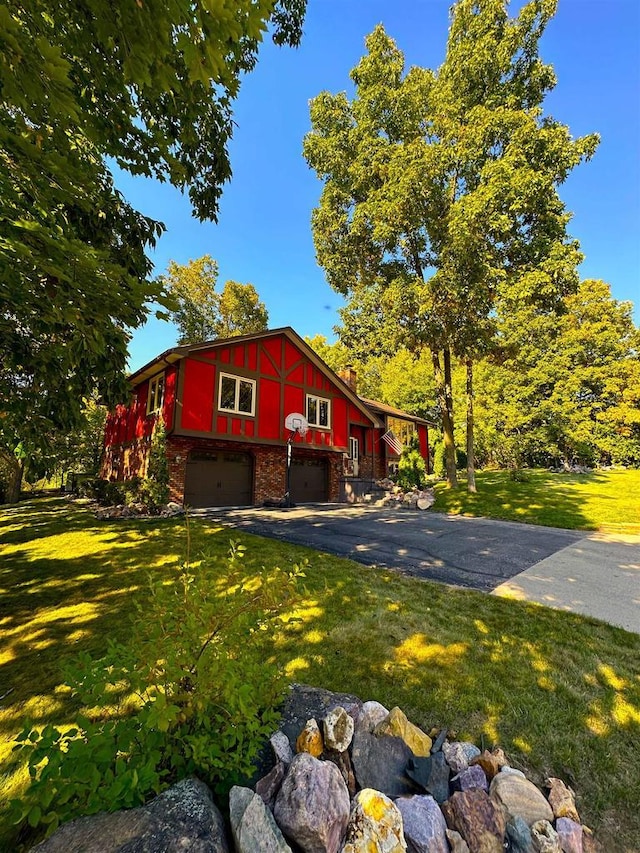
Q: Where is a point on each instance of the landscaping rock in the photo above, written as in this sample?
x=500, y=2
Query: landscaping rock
x=343, y=763
x=472, y=777
x=312, y=808
x=519, y=836
x=305, y=703
x=520, y=797
x=490, y=763
x=281, y=747
x=424, y=826
x=457, y=842
x=375, y=825
x=562, y=799
x=338, y=729
x=431, y=775
x=545, y=838
x=183, y=819
x=371, y=714
x=310, y=739
x=381, y=763
x=267, y=788
x=252, y=824
x=397, y=724
x=459, y=754
x=514, y=771
x=478, y=819
x=569, y=835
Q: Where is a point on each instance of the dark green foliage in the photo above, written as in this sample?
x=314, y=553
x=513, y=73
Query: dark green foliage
x=412, y=469
x=193, y=692
x=154, y=489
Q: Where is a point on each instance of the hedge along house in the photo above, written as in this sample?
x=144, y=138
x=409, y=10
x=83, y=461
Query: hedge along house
x=224, y=404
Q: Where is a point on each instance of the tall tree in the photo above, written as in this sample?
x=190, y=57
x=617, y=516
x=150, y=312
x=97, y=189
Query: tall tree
x=149, y=84
x=201, y=313
x=440, y=190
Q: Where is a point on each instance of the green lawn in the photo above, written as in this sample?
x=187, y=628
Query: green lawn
x=560, y=693
x=607, y=500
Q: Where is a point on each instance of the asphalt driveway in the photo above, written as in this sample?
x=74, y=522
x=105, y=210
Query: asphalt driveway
x=469, y=552
x=590, y=573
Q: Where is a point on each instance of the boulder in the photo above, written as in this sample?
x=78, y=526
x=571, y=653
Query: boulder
x=397, y=724
x=183, y=819
x=459, y=754
x=338, y=729
x=371, y=714
x=472, y=777
x=267, y=788
x=305, y=703
x=375, y=824
x=569, y=835
x=343, y=763
x=431, y=774
x=520, y=797
x=252, y=824
x=281, y=747
x=478, y=819
x=490, y=763
x=519, y=836
x=312, y=807
x=562, y=799
x=424, y=826
x=545, y=838
x=457, y=842
x=310, y=739
x=381, y=763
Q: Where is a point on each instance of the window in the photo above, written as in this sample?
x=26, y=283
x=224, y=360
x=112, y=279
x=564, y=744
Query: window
x=237, y=395
x=318, y=410
x=403, y=430
x=353, y=448
x=155, y=397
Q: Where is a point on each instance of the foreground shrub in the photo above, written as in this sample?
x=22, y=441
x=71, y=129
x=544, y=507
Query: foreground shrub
x=194, y=692
x=412, y=469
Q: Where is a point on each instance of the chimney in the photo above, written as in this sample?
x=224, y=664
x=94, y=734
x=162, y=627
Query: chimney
x=349, y=377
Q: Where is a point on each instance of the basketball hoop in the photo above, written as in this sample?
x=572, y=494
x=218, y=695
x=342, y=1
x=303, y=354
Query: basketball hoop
x=297, y=423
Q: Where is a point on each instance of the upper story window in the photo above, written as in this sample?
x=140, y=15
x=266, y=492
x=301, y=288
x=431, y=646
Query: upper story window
x=318, y=411
x=155, y=396
x=237, y=395
x=403, y=430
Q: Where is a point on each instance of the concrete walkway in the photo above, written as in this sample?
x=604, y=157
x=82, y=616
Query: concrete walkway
x=597, y=576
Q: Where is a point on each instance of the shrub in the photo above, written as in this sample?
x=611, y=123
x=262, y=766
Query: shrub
x=194, y=692
x=412, y=470
x=105, y=492
x=154, y=489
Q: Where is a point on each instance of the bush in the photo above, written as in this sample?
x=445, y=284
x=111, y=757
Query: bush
x=194, y=692
x=154, y=489
x=412, y=470
x=106, y=492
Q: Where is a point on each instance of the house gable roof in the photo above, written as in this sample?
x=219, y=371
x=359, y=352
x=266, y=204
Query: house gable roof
x=384, y=409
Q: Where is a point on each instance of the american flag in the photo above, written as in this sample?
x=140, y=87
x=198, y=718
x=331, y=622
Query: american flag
x=393, y=441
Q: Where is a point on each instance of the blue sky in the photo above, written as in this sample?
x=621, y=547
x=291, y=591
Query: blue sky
x=264, y=235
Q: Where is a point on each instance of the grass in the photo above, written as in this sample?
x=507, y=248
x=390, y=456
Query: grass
x=559, y=692
x=602, y=500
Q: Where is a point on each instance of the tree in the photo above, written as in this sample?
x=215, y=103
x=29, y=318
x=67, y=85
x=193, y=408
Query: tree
x=201, y=313
x=150, y=85
x=440, y=191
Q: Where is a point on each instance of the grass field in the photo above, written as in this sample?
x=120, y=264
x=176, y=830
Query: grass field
x=560, y=693
x=602, y=500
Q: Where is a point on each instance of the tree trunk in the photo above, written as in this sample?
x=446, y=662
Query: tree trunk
x=445, y=400
x=14, y=482
x=471, y=464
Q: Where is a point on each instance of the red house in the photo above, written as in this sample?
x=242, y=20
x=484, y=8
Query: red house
x=224, y=405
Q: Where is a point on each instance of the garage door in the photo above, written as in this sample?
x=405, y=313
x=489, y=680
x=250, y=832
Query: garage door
x=309, y=481
x=218, y=479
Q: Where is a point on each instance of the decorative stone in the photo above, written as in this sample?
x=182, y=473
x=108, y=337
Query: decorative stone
x=381, y=763
x=398, y=725
x=371, y=714
x=252, y=824
x=267, y=788
x=489, y=762
x=305, y=703
x=424, y=826
x=545, y=838
x=569, y=835
x=478, y=819
x=375, y=824
x=343, y=763
x=281, y=747
x=562, y=799
x=519, y=836
x=472, y=777
x=590, y=844
x=518, y=796
x=312, y=808
x=459, y=754
x=181, y=818
x=431, y=774
x=457, y=842
x=513, y=770
x=500, y=757
x=338, y=730
x=310, y=739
